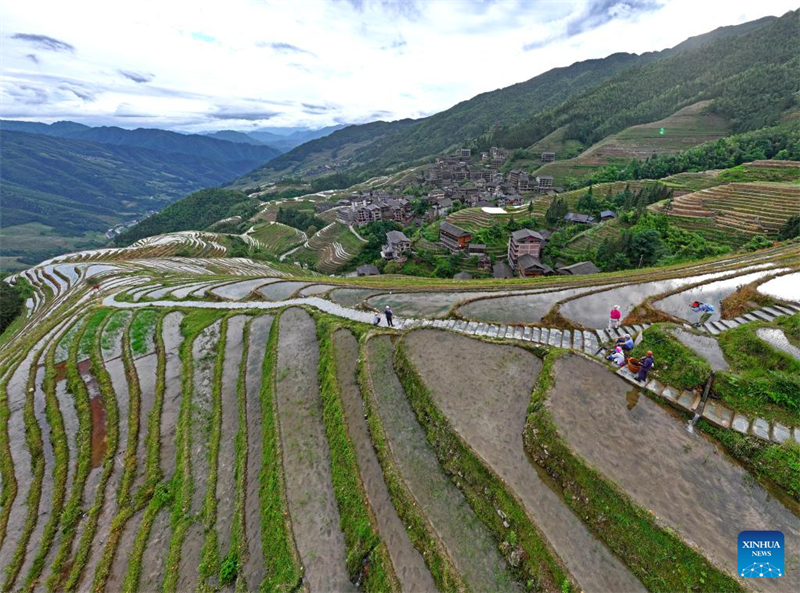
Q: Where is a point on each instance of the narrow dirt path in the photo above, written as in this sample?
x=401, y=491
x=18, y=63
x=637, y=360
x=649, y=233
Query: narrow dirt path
x=486, y=404
x=407, y=561
x=682, y=477
x=468, y=542
x=254, y=566
x=306, y=458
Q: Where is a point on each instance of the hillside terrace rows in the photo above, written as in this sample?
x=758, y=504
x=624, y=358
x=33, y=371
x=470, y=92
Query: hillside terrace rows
x=743, y=207
x=139, y=508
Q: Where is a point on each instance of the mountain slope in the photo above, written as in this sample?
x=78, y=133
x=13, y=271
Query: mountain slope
x=751, y=78
x=234, y=136
x=74, y=187
x=161, y=140
x=523, y=113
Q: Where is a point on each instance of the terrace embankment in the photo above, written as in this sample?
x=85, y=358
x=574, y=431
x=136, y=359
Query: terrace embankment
x=407, y=561
x=682, y=477
x=254, y=565
x=486, y=402
x=306, y=458
x=466, y=539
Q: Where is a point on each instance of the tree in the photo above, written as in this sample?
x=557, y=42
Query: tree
x=790, y=229
x=556, y=211
x=11, y=303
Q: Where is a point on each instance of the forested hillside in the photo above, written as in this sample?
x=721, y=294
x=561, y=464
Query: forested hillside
x=194, y=212
x=751, y=78
x=161, y=140
x=751, y=81
x=77, y=190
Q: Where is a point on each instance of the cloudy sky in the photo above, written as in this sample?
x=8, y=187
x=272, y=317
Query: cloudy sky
x=192, y=66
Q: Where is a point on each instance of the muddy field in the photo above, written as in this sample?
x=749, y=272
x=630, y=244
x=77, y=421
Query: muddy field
x=682, y=477
x=486, y=405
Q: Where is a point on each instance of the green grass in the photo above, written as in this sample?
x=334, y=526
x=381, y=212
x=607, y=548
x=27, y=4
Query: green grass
x=778, y=464
x=73, y=511
x=675, y=364
x=114, y=327
x=124, y=498
x=96, y=321
x=283, y=568
x=141, y=330
x=419, y=531
x=366, y=553
x=540, y=569
x=33, y=440
x=746, y=172
x=181, y=484
x=112, y=437
x=61, y=462
x=655, y=554
x=277, y=237
x=210, y=558
x=762, y=381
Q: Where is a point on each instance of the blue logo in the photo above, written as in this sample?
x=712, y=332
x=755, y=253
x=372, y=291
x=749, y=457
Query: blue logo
x=761, y=554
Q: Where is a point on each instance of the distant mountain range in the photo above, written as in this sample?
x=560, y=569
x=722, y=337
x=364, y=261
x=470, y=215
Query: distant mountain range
x=283, y=139
x=749, y=72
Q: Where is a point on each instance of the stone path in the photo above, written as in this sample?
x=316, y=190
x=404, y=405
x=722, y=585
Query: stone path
x=586, y=341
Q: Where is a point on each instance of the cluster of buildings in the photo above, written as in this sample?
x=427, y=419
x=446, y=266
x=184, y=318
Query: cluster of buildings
x=458, y=168
x=361, y=209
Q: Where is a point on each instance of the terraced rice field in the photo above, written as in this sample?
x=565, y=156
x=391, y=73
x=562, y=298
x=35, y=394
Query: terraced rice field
x=737, y=211
x=591, y=239
x=277, y=238
x=684, y=129
x=185, y=427
x=329, y=249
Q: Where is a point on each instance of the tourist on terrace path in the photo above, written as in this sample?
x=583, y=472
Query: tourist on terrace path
x=644, y=367
x=705, y=311
x=617, y=357
x=377, y=320
x=388, y=312
x=625, y=342
x=614, y=318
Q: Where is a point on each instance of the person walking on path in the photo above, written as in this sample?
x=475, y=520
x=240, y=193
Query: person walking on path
x=388, y=312
x=705, y=311
x=614, y=318
x=644, y=367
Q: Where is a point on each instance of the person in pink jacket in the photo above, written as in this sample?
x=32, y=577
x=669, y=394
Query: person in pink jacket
x=614, y=318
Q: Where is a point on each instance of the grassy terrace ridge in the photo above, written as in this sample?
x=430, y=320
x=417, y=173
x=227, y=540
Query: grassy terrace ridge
x=181, y=484
x=762, y=380
x=60, y=459
x=655, y=554
x=124, y=498
x=151, y=496
x=367, y=559
x=33, y=439
x=677, y=365
x=419, y=529
x=540, y=568
x=72, y=512
x=284, y=570
x=112, y=438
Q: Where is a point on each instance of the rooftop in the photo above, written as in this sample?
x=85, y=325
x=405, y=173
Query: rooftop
x=523, y=234
x=452, y=229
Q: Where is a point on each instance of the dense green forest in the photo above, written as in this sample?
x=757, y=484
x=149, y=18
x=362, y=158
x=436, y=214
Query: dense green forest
x=194, y=212
x=752, y=78
x=300, y=219
x=75, y=186
x=777, y=142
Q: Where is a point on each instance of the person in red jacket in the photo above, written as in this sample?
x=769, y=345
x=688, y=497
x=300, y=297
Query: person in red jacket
x=644, y=367
x=614, y=318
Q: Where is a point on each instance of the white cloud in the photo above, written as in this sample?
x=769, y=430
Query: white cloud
x=239, y=64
